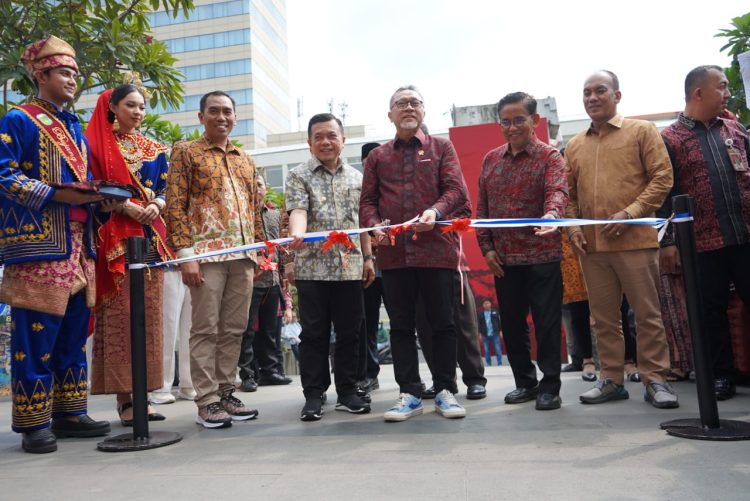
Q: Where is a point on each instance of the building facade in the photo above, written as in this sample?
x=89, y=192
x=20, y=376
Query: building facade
x=238, y=46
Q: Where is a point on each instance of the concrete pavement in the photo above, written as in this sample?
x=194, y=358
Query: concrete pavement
x=609, y=451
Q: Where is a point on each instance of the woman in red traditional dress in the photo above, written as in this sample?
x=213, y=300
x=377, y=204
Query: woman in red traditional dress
x=120, y=153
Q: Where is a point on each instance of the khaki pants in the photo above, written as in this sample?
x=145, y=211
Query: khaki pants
x=636, y=274
x=221, y=307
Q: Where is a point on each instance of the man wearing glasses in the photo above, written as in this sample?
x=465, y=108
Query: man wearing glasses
x=525, y=178
x=416, y=174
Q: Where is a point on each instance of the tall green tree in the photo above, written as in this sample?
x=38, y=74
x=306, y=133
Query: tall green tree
x=738, y=41
x=109, y=37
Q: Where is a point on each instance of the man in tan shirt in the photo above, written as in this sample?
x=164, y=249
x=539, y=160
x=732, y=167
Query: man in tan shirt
x=211, y=206
x=619, y=169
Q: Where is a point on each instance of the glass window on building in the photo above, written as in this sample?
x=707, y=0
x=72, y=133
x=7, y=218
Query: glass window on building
x=275, y=177
x=355, y=162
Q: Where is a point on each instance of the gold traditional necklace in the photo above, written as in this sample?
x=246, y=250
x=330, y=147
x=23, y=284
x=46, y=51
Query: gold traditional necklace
x=130, y=150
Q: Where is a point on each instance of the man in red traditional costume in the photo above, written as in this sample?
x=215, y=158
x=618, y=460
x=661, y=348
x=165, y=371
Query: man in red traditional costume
x=46, y=241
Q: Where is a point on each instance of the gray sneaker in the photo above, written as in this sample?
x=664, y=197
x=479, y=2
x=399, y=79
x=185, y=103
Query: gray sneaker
x=661, y=396
x=604, y=391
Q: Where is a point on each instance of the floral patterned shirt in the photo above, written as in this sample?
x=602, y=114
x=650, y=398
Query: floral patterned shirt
x=332, y=203
x=211, y=200
x=530, y=184
x=403, y=179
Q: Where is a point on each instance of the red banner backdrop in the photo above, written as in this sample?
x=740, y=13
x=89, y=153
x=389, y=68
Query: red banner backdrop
x=472, y=142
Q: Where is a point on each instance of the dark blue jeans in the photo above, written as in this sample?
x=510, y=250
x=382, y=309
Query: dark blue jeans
x=494, y=341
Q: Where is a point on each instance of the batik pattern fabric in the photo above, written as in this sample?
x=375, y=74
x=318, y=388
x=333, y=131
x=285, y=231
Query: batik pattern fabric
x=48, y=365
x=32, y=226
x=703, y=169
x=111, y=368
x=211, y=202
x=674, y=316
x=529, y=184
x=401, y=180
x=574, y=285
x=331, y=200
x=271, y=218
x=111, y=362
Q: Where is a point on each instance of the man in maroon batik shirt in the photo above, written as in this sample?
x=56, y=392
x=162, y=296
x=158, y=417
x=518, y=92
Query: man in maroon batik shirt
x=417, y=175
x=525, y=178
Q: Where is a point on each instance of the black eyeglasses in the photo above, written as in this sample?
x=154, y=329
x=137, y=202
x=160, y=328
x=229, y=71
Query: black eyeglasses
x=517, y=121
x=414, y=103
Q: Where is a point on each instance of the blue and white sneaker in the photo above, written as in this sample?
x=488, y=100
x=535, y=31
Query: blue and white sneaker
x=408, y=405
x=447, y=406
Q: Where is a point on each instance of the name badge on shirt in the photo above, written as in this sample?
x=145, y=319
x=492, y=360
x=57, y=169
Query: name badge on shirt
x=735, y=157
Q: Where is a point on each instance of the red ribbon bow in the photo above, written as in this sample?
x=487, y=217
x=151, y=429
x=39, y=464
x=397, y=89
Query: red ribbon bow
x=459, y=225
x=338, y=237
x=393, y=231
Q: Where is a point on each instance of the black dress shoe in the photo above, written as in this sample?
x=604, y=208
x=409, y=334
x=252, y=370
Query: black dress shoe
x=248, y=385
x=571, y=368
x=548, y=402
x=520, y=395
x=273, y=379
x=429, y=393
x=155, y=416
x=84, y=426
x=724, y=388
x=39, y=441
x=476, y=392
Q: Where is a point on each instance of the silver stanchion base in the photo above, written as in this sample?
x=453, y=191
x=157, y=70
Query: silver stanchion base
x=127, y=442
x=694, y=429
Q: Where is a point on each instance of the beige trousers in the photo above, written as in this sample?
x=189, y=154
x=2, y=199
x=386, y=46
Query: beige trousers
x=221, y=306
x=636, y=274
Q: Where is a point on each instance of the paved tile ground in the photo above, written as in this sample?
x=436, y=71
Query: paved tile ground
x=610, y=451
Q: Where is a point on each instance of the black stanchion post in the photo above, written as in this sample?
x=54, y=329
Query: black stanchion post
x=709, y=426
x=140, y=439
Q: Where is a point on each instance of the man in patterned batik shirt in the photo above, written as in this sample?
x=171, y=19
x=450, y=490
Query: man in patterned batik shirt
x=416, y=174
x=211, y=206
x=709, y=156
x=322, y=195
x=46, y=240
x=525, y=178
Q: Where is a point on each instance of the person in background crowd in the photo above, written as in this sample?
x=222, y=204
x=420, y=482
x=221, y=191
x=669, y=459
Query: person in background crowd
x=259, y=346
x=488, y=321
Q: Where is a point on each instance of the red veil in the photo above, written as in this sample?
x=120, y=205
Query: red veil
x=107, y=163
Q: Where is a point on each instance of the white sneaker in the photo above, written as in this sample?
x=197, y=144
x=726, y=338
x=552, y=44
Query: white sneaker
x=447, y=406
x=160, y=398
x=186, y=394
x=408, y=405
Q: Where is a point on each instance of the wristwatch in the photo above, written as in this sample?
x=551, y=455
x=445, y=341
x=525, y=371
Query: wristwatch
x=369, y=258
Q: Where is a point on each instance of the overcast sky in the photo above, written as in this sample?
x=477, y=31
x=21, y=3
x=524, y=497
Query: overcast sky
x=473, y=52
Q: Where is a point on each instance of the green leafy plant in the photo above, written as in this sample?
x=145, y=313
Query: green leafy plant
x=738, y=41
x=109, y=37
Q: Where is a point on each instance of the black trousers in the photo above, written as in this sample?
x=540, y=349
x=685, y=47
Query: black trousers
x=368, y=363
x=717, y=270
x=581, y=325
x=322, y=303
x=467, y=340
x=580, y=334
x=258, y=355
x=539, y=287
x=402, y=287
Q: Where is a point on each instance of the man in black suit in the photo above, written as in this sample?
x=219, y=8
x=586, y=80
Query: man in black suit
x=489, y=326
